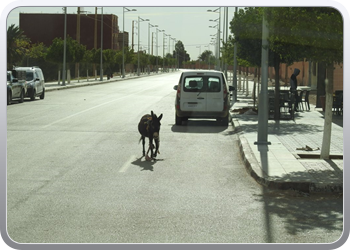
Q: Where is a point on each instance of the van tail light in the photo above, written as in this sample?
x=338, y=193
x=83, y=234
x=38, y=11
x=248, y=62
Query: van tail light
x=179, y=90
x=225, y=91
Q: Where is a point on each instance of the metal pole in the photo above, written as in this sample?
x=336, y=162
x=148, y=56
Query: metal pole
x=123, y=67
x=234, y=82
x=101, y=59
x=138, y=46
x=64, y=48
x=263, y=100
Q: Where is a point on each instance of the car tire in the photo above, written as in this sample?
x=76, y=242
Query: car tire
x=32, y=97
x=9, y=98
x=42, y=96
x=178, y=120
x=21, y=98
x=223, y=121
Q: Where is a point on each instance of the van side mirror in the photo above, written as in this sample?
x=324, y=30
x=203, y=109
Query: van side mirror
x=175, y=87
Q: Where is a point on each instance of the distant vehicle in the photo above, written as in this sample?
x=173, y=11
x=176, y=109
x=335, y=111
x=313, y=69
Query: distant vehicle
x=202, y=94
x=16, y=87
x=35, y=82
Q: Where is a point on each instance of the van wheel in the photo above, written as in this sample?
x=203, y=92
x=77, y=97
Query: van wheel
x=9, y=98
x=178, y=120
x=223, y=121
x=21, y=99
x=32, y=97
x=42, y=96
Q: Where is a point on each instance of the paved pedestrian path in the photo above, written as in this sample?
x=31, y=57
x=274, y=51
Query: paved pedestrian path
x=286, y=163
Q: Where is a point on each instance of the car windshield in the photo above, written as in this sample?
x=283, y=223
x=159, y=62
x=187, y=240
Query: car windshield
x=29, y=76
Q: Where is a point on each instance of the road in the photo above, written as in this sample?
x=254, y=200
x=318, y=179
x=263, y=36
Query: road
x=75, y=175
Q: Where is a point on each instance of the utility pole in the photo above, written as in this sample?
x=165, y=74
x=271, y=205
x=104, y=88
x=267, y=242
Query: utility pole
x=263, y=99
x=64, y=48
x=234, y=79
x=78, y=40
x=101, y=60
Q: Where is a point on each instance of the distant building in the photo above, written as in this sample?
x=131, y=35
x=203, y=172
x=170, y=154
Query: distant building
x=43, y=28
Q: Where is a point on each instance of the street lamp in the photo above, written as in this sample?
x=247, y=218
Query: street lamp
x=174, y=39
x=138, y=43
x=101, y=60
x=163, y=49
x=157, y=30
x=218, y=10
x=149, y=51
x=64, y=47
x=124, y=10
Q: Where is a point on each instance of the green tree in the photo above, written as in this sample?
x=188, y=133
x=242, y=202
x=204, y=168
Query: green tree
x=181, y=53
x=17, y=45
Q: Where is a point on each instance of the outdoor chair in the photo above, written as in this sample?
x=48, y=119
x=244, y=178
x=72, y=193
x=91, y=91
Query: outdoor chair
x=305, y=100
x=300, y=98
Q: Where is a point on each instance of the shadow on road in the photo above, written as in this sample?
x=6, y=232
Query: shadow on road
x=199, y=126
x=145, y=165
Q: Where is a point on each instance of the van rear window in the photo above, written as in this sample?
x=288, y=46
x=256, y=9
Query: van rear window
x=202, y=84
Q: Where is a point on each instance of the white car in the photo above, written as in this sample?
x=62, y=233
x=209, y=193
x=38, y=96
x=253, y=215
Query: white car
x=35, y=80
x=202, y=94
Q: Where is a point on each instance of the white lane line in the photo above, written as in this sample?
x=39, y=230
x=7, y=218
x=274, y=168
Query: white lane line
x=83, y=111
x=97, y=106
x=127, y=164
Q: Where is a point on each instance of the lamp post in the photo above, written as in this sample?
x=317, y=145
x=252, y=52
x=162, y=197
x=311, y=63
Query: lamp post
x=218, y=10
x=101, y=60
x=217, y=54
x=64, y=47
x=124, y=10
x=157, y=30
x=149, y=51
x=174, y=40
x=138, y=43
x=163, y=49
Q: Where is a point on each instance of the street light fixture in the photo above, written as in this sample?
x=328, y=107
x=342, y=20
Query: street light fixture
x=124, y=10
x=149, y=51
x=157, y=30
x=138, y=43
x=163, y=49
x=218, y=11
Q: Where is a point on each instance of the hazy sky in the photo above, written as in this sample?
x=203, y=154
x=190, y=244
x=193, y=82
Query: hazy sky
x=188, y=24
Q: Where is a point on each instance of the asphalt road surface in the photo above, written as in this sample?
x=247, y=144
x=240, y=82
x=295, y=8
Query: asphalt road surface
x=75, y=175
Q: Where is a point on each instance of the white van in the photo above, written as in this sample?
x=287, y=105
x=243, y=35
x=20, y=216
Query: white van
x=202, y=94
x=35, y=82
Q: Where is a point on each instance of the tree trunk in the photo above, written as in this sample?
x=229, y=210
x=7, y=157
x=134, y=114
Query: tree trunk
x=321, y=76
x=327, y=130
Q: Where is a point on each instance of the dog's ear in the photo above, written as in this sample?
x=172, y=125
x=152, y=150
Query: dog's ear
x=160, y=117
x=152, y=113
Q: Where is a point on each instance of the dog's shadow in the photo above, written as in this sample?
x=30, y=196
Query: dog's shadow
x=145, y=165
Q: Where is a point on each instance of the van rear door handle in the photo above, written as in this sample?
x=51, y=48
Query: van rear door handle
x=200, y=98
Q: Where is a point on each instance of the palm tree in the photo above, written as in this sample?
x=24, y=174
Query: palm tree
x=16, y=45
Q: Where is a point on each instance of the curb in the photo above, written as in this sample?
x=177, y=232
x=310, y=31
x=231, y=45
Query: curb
x=254, y=170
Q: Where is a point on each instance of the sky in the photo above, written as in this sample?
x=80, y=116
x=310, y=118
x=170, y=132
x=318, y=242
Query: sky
x=187, y=24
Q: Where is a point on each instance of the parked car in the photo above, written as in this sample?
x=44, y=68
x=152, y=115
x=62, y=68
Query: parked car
x=202, y=94
x=35, y=82
x=16, y=87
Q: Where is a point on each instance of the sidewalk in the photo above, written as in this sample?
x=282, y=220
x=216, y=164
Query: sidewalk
x=284, y=164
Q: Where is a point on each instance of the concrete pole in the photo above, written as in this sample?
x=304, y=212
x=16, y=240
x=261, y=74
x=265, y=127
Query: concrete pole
x=263, y=100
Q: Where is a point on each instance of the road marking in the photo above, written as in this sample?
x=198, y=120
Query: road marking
x=97, y=106
x=127, y=164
